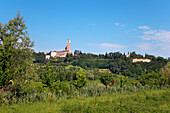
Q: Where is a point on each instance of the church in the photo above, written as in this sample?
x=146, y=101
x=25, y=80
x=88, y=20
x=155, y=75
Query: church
x=54, y=54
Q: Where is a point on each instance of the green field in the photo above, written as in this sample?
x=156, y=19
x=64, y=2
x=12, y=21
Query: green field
x=147, y=101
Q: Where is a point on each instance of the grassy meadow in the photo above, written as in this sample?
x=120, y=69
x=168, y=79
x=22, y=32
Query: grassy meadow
x=143, y=101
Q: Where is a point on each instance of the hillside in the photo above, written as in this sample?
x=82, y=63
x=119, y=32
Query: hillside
x=116, y=62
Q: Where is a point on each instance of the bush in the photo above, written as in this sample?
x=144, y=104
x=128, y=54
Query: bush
x=105, y=78
x=152, y=79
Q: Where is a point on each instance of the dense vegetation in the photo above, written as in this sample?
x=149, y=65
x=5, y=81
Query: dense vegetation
x=26, y=77
x=147, y=101
x=116, y=62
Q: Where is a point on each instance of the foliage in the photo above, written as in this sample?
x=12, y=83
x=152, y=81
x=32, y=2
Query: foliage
x=36, y=92
x=105, y=78
x=35, y=73
x=80, y=79
x=152, y=79
x=49, y=78
x=67, y=77
x=122, y=80
x=90, y=75
x=15, y=57
x=65, y=88
x=116, y=62
x=15, y=54
x=165, y=71
x=39, y=57
x=144, y=101
x=137, y=102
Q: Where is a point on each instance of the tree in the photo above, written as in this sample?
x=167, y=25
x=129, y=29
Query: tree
x=48, y=78
x=152, y=79
x=106, y=55
x=15, y=51
x=80, y=79
x=166, y=72
x=39, y=57
x=105, y=78
x=122, y=80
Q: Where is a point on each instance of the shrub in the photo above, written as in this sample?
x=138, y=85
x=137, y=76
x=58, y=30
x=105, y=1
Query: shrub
x=105, y=78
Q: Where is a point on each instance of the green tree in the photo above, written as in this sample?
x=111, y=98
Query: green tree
x=80, y=79
x=152, y=79
x=123, y=80
x=39, y=57
x=105, y=78
x=15, y=52
x=166, y=72
x=48, y=77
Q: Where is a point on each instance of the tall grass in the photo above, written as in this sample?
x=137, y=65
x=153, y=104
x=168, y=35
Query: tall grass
x=153, y=100
x=92, y=89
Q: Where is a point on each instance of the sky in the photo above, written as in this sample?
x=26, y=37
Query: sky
x=95, y=26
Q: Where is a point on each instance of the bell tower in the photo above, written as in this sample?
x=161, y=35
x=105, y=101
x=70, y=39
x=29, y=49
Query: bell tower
x=68, y=46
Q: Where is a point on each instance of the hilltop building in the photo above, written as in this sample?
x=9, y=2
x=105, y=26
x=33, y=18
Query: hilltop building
x=63, y=53
x=140, y=60
x=128, y=55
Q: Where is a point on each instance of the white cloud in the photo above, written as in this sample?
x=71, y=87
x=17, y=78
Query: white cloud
x=158, y=42
x=118, y=24
x=143, y=27
x=156, y=48
x=157, y=35
x=110, y=46
x=145, y=46
x=150, y=32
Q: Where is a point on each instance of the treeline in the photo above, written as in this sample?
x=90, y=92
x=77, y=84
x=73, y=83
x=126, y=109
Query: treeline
x=116, y=62
x=64, y=74
x=39, y=57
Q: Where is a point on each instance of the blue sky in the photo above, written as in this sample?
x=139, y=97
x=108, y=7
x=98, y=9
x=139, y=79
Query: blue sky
x=95, y=26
